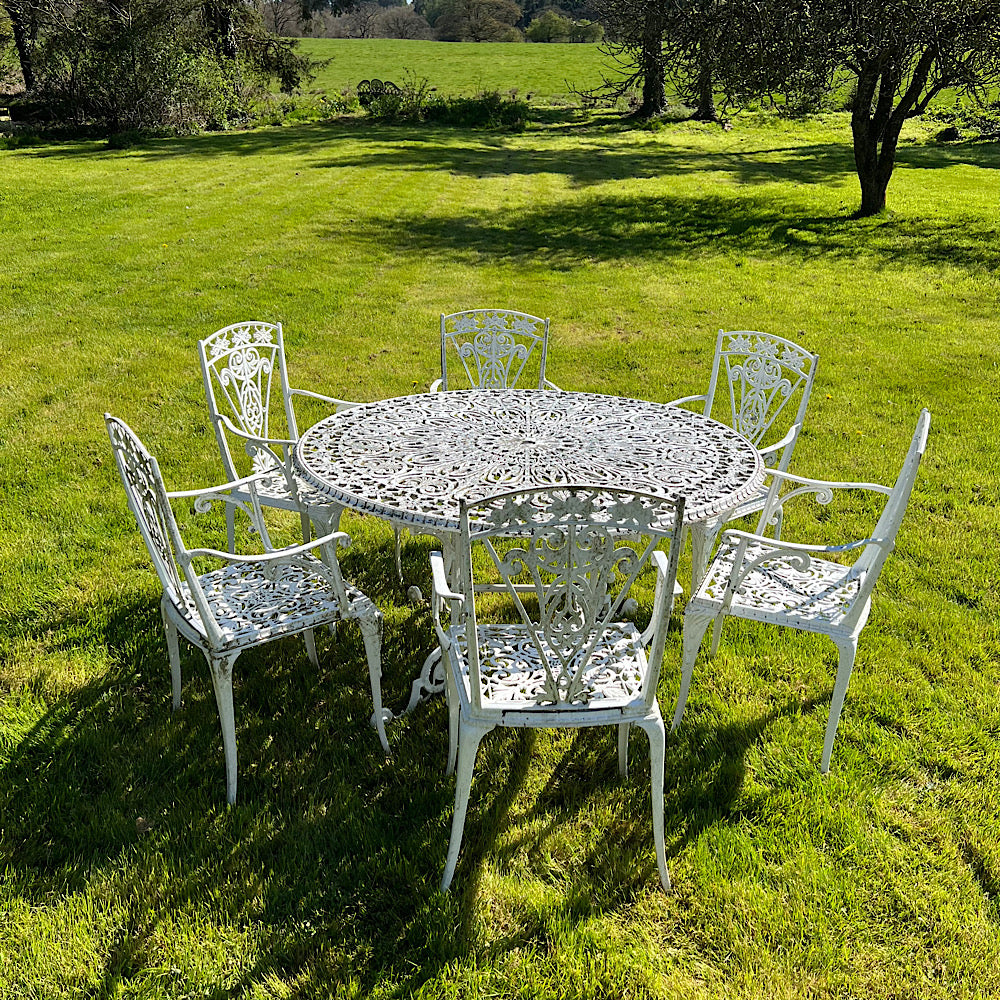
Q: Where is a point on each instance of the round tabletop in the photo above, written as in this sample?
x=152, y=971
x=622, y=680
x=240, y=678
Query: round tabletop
x=411, y=459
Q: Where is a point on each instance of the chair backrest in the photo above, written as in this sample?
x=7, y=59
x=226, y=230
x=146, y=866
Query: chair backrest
x=238, y=365
x=869, y=564
x=768, y=378
x=567, y=556
x=147, y=499
x=494, y=346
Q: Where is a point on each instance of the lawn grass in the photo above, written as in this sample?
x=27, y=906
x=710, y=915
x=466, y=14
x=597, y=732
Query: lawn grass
x=547, y=73
x=123, y=872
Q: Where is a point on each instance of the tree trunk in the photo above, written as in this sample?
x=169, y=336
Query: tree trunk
x=22, y=41
x=705, y=111
x=651, y=65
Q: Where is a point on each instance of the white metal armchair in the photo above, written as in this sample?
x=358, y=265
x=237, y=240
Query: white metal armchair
x=238, y=365
x=805, y=587
x=249, y=599
x=768, y=379
x=566, y=558
x=494, y=347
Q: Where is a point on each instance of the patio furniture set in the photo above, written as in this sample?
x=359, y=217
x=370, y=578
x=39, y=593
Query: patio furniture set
x=557, y=500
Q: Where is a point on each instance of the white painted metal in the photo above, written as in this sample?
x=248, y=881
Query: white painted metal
x=566, y=658
x=494, y=347
x=249, y=599
x=767, y=579
x=411, y=459
x=769, y=379
x=238, y=364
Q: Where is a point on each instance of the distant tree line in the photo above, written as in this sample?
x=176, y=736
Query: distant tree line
x=440, y=20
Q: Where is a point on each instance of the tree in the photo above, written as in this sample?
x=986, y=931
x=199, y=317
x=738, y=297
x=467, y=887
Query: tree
x=402, y=22
x=634, y=38
x=899, y=54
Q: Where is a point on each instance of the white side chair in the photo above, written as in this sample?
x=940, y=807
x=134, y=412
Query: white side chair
x=238, y=365
x=769, y=380
x=814, y=588
x=566, y=558
x=249, y=599
x=492, y=349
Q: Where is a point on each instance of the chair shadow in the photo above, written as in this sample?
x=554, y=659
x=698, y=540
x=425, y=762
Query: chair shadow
x=332, y=852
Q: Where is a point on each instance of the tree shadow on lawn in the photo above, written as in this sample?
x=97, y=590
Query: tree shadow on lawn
x=608, y=151
x=610, y=228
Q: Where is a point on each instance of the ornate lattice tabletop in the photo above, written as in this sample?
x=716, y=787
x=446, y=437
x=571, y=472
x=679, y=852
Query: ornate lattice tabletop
x=410, y=459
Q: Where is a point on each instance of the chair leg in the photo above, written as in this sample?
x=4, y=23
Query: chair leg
x=470, y=736
x=454, y=715
x=174, y=654
x=221, y=668
x=399, y=552
x=716, y=634
x=694, y=632
x=623, y=731
x=848, y=650
x=657, y=741
x=371, y=632
x=310, y=637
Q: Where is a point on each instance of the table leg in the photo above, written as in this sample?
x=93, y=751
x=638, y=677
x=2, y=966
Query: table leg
x=430, y=681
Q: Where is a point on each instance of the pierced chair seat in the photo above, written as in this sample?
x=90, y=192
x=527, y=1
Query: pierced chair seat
x=513, y=671
x=801, y=586
x=249, y=599
x=814, y=599
x=252, y=602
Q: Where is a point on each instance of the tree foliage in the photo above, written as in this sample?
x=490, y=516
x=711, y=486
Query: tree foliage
x=141, y=64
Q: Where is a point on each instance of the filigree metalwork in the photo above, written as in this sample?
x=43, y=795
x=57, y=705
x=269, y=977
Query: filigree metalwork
x=494, y=346
x=246, y=601
x=410, y=459
x=565, y=557
x=763, y=372
x=239, y=364
x=825, y=589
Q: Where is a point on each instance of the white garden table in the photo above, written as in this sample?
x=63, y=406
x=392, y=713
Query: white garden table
x=409, y=460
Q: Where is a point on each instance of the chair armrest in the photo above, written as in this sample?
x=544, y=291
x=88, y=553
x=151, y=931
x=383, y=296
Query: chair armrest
x=832, y=484
x=551, y=385
x=340, y=538
x=662, y=564
x=441, y=592
x=436, y=385
x=439, y=580
x=787, y=441
x=688, y=399
x=218, y=492
x=338, y=404
x=780, y=547
x=253, y=438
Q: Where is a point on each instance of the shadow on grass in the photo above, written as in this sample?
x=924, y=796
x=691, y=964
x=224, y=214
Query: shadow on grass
x=607, y=228
x=328, y=865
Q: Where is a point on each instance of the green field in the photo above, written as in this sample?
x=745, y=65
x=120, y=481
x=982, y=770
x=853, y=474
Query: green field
x=124, y=874
x=549, y=73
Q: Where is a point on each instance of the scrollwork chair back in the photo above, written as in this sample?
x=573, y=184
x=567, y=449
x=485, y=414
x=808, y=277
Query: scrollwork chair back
x=494, y=347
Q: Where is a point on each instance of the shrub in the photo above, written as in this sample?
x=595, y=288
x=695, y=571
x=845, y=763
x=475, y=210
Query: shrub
x=417, y=101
